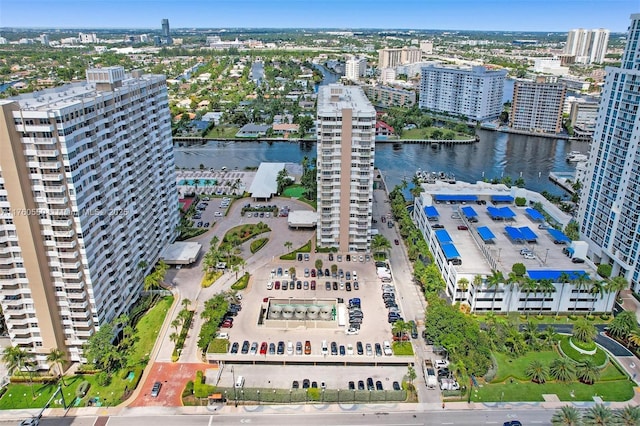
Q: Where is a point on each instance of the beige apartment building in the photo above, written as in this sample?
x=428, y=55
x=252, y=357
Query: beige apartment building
x=345, y=157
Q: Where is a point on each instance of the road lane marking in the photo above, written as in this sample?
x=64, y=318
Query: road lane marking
x=210, y=420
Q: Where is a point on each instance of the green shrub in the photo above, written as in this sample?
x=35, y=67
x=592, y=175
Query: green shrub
x=520, y=201
x=200, y=389
x=82, y=389
x=33, y=379
x=242, y=283
x=188, y=389
x=519, y=269
x=103, y=379
x=258, y=244
x=604, y=270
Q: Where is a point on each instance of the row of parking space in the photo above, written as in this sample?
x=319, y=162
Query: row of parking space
x=299, y=348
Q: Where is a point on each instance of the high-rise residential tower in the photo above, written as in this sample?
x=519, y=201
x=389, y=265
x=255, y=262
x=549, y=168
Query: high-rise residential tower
x=346, y=151
x=87, y=198
x=609, y=210
x=537, y=106
x=474, y=92
x=166, y=32
x=588, y=46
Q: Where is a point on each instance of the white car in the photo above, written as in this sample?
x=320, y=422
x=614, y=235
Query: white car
x=386, y=346
x=218, y=214
x=249, y=214
x=355, y=276
x=529, y=256
x=351, y=331
x=442, y=363
x=349, y=349
x=290, y=348
x=269, y=285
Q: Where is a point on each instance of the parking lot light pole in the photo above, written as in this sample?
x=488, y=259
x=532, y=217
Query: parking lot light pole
x=369, y=395
x=323, y=396
x=235, y=391
x=290, y=391
x=258, y=392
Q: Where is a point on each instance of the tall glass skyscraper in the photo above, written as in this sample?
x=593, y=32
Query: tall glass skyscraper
x=610, y=202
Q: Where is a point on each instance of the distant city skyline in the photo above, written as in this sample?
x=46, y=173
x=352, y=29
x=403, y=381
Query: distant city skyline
x=499, y=15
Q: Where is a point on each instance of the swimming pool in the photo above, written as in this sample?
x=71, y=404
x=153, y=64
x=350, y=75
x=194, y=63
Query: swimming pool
x=201, y=182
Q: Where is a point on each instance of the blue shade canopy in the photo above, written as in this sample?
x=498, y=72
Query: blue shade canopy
x=502, y=198
x=500, y=213
x=514, y=233
x=558, y=235
x=450, y=251
x=535, y=214
x=443, y=236
x=431, y=211
x=485, y=233
x=528, y=234
x=455, y=197
x=555, y=275
x=468, y=211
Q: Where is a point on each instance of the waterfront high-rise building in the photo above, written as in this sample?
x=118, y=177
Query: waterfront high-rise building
x=391, y=57
x=345, y=157
x=355, y=67
x=537, y=106
x=610, y=200
x=87, y=197
x=588, y=46
x=474, y=92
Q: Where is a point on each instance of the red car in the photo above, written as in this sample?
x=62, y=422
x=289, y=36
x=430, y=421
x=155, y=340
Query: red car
x=313, y=284
x=277, y=285
x=313, y=272
x=396, y=242
x=227, y=324
x=463, y=228
x=263, y=348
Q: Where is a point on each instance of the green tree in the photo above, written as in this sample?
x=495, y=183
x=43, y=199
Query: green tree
x=634, y=338
x=18, y=359
x=463, y=286
x=282, y=180
x=584, y=331
x=564, y=279
x=288, y=245
x=101, y=351
x=548, y=336
x=623, y=324
x=587, y=371
x=537, y=372
x=519, y=269
x=562, y=370
x=567, y=416
x=598, y=415
x=495, y=280
x=530, y=333
x=579, y=283
x=57, y=357
x=628, y=416
x=615, y=285
x=379, y=243
x=411, y=374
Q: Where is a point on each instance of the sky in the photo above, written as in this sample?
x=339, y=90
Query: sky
x=504, y=15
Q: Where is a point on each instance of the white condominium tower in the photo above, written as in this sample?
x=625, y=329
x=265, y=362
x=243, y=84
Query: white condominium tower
x=610, y=201
x=346, y=150
x=588, y=46
x=87, y=196
x=474, y=92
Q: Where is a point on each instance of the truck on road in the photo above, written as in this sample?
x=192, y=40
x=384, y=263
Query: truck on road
x=430, y=378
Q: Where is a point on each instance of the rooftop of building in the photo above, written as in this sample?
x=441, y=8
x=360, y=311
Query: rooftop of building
x=475, y=69
x=455, y=204
x=69, y=94
x=333, y=98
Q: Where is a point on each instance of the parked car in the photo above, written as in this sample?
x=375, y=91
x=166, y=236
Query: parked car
x=463, y=228
x=352, y=385
x=378, y=349
x=307, y=347
x=295, y=385
x=155, y=390
x=356, y=286
x=263, y=348
x=577, y=260
x=272, y=348
x=280, y=348
x=396, y=242
x=334, y=348
x=379, y=385
x=254, y=348
x=234, y=348
x=298, y=348
x=359, y=348
x=396, y=386
x=360, y=385
x=370, y=385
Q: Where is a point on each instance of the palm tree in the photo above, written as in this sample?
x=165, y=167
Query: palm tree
x=185, y=303
x=598, y=415
x=494, y=281
x=17, y=358
x=545, y=287
x=548, y=336
x=564, y=278
x=288, y=245
x=562, y=370
x=56, y=357
x=584, y=331
x=379, y=243
x=463, y=286
x=174, y=337
x=513, y=281
x=537, y=372
x=587, y=371
x=615, y=285
x=567, y=416
x=528, y=286
x=581, y=282
x=623, y=324
x=628, y=416
x=398, y=328
x=597, y=289
x=530, y=333
x=176, y=323
x=634, y=337
x=477, y=282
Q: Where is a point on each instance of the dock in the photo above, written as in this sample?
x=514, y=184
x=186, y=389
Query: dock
x=564, y=180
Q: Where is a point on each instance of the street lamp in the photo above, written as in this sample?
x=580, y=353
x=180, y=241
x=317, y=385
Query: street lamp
x=323, y=396
x=235, y=391
x=290, y=390
x=369, y=395
x=306, y=393
x=545, y=256
x=242, y=395
x=338, y=396
x=258, y=392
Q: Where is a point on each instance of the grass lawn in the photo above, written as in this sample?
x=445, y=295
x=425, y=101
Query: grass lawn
x=209, y=278
x=293, y=191
x=600, y=357
x=426, y=132
x=515, y=367
x=222, y=132
x=620, y=390
x=18, y=395
x=402, y=348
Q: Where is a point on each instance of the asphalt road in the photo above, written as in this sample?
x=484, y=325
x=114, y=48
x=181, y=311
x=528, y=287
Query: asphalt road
x=319, y=418
x=603, y=340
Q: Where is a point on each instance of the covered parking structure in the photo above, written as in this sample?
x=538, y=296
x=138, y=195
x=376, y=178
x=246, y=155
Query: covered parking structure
x=502, y=199
x=431, y=212
x=448, y=248
x=469, y=213
x=456, y=198
x=500, y=213
x=486, y=234
x=521, y=234
x=558, y=236
x=535, y=215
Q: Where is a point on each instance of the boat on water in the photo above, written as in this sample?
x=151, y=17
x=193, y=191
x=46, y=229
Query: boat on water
x=576, y=156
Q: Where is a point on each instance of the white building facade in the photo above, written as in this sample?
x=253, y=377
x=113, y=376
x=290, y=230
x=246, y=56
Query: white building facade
x=588, y=46
x=87, y=196
x=473, y=92
x=345, y=157
x=610, y=202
